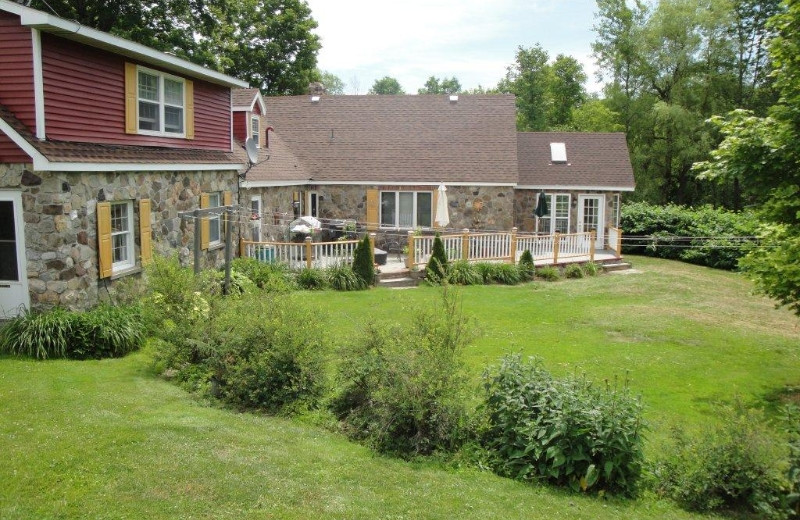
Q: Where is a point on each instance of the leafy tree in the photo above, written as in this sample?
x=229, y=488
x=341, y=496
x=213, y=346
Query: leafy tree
x=386, y=85
x=594, y=115
x=268, y=43
x=333, y=83
x=436, y=268
x=566, y=90
x=764, y=154
x=446, y=86
x=528, y=79
x=363, y=262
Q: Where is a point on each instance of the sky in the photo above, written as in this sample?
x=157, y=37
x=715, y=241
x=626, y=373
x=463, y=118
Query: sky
x=473, y=40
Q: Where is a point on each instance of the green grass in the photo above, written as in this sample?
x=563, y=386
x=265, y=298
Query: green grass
x=108, y=439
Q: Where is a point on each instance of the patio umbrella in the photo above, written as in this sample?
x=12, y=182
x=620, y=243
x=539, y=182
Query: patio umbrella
x=442, y=217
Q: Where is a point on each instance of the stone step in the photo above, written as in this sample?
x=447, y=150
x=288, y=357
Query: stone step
x=616, y=266
x=396, y=283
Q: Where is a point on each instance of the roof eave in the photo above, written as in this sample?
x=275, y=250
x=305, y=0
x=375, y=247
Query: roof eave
x=92, y=37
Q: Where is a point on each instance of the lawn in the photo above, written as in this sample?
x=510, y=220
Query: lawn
x=109, y=439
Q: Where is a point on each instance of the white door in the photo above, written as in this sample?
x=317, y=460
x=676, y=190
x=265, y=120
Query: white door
x=591, y=218
x=13, y=273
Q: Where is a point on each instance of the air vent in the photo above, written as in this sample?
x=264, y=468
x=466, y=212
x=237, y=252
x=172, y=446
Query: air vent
x=558, y=152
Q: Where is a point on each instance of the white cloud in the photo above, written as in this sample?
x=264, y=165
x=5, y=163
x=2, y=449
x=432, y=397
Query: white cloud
x=474, y=40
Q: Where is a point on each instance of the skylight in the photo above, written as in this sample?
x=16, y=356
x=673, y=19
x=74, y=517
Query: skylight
x=558, y=152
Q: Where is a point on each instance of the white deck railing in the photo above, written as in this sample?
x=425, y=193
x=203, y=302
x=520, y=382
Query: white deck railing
x=306, y=254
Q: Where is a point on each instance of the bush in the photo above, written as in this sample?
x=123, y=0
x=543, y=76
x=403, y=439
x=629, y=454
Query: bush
x=591, y=268
x=213, y=282
x=462, y=272
x=437, y=266
x=312, y=279
x=729, y=467
x=269, y=276
x=343, y=278
x=548, y=273
x=565, y=431
x=104, y=331
x=402, y=390
x=573, y=271
x=363, y=262
x=526, y=267
x=704, y=236
x=494, y=272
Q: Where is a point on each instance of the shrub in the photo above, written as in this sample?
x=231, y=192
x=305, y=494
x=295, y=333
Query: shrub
x=342, y=278
x=437, y=266
x=564, y=431
x=728, y=467
x=363, y=262
x=548, y=273
x=402, y=389
x=573, y=271
x=591, y=268
x=104, y=331
x=506, y=274
x=213, y=282
x=462, y=272
x=486, y=271
x=312, y=279
x=704, y=236
x=39, y=335
x=269, y=276
x=526, y=267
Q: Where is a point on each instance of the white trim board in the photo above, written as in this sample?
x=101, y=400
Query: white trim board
x=38, y=84
x=573, y=188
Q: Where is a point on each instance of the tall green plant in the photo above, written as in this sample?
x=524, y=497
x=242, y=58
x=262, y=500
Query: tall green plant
x=526, y=267
x=436, y=268
x=363, y=262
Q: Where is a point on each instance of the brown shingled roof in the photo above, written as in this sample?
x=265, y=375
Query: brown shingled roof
x=593, y=160
x=70, y=151
x=244, y=97
x=275, y=164
x=390, y=139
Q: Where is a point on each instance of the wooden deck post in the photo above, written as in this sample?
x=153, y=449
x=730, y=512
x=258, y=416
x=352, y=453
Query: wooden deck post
x=465, y=245
x=592, y=238
x=241, y=247
x=556, y=244
x=618, y=245
x=412, y=252
x=308, y=252
x=372, y=245
x=513, y=247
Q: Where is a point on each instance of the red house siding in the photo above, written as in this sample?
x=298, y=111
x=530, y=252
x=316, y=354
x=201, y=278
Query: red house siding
x=16, y=69
x=240, y=130
x=84, y=91
x=10, y=152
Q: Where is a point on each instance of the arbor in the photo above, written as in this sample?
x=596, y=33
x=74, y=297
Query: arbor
x=445, y=86
x=268, y=43
x=386, y=85
x=763, y=153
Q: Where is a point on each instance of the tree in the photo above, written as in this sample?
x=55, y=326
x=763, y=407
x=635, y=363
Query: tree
x=446, y=86
x=268, y=43
x=566, y=90
x=386, y=85
x=528, y=79
x=437, y=266
x=363, y=262
x=594, y=115
x=764, y=154
x=332, y=83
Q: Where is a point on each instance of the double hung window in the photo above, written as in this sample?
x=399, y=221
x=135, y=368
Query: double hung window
x=558, y=219
x=214, y=228
x=122, y=235
x=255, y=130
x=162, y=103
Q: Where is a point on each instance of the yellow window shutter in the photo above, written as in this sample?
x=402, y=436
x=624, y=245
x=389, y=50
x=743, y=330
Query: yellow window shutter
x=131, y=97
x=145, y=232
x=372, y=210
x=205, y=225
x=189, y=86
x=104, y=239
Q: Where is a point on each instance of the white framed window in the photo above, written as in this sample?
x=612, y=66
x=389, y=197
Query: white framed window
x=558, y=219
x=312, y=204
x=406, y=209
x=255, y=207
x=162, y=103
x=214, y=227
x=255, y=130
x=122, y=253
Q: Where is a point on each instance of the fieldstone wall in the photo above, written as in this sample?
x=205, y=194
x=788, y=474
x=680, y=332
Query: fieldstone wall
x=59, y=211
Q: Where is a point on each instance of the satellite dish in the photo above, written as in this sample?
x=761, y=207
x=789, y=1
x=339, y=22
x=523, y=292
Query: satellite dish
x=252, y=150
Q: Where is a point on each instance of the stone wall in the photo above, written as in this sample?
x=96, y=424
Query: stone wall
x=61, y=225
